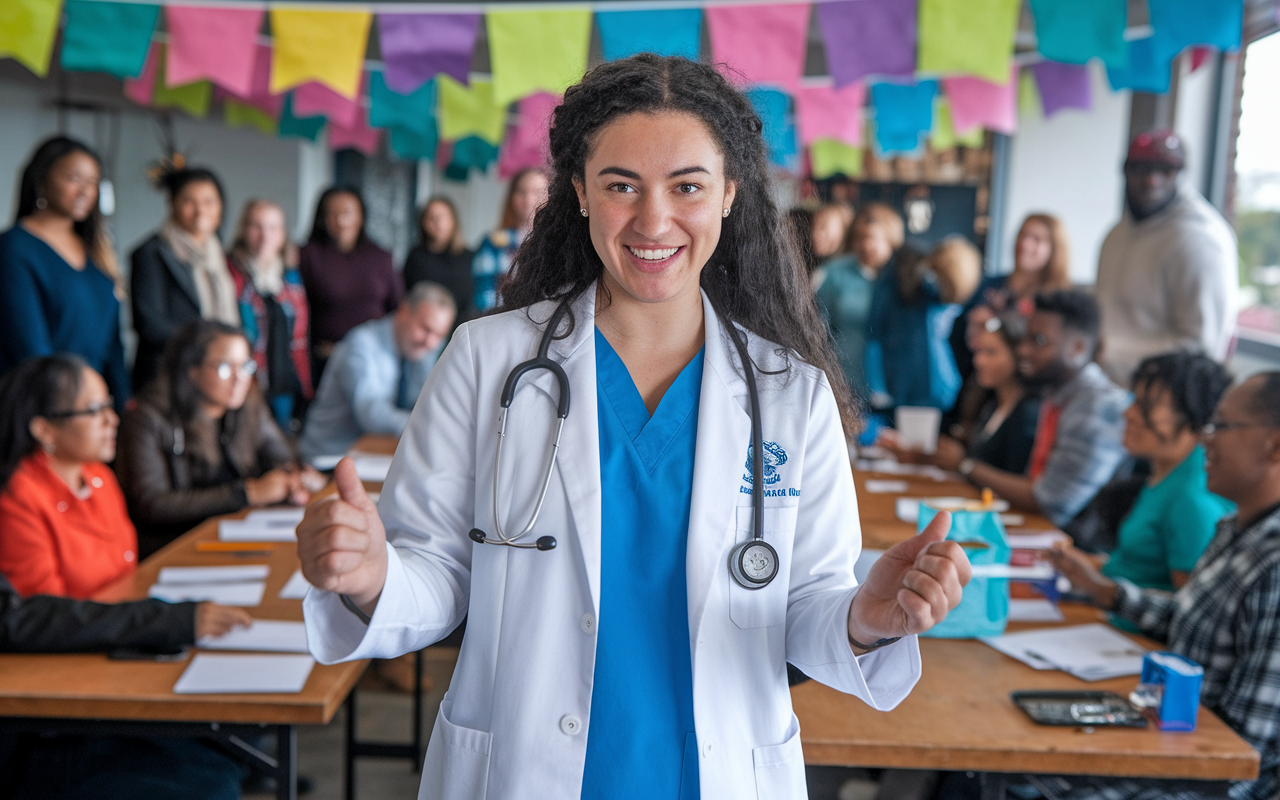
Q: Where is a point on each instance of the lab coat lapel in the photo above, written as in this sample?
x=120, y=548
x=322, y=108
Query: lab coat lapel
x=724, y=431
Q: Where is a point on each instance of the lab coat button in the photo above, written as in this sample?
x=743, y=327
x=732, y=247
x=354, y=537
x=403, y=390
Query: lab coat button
x=588, y=623
x=570, y=725
x=706, y=749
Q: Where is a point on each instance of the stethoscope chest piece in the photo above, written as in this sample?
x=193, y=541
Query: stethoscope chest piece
x=753, y=564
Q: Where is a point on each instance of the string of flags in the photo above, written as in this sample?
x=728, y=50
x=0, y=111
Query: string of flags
x=902, y=72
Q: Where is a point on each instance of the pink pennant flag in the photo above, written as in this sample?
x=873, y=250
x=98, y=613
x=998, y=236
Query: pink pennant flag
x=526, y=144
x=760, y=44
x=315, y=99
x=259, y=95
x=978, y=103
x=823, y=112
x=358, y=136
x=217, y=44
x=142, y=88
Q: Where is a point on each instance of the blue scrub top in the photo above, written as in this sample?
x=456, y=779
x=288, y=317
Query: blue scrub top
x=640, y=740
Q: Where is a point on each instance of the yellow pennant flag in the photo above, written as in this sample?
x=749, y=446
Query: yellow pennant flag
x=27, y=30
x=1029, y=102
x=470, y=112
x=834, y=157
x=323, y=46
x=970, y=38
x=537, y=51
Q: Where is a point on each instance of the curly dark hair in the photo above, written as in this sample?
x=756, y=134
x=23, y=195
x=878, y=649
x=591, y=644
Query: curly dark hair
x=755, y=278
x=38, y=387
x=1194, y=381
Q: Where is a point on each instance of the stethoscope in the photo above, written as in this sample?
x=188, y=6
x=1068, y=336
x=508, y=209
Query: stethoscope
x=753, y=563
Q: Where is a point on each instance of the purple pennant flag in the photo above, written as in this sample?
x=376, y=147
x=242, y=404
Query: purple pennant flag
x=417, y=46
x=868, y=37
x=1063, y=86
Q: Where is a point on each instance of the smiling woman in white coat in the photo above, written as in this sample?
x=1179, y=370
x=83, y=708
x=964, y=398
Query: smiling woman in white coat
x=698, y=528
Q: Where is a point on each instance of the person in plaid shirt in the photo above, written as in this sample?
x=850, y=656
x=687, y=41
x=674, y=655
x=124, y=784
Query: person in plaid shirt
x=1227, y=616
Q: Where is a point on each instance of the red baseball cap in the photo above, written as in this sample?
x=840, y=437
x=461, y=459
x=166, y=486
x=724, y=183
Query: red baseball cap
x=1159, y=147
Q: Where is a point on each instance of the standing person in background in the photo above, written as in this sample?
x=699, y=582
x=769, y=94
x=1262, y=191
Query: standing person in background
x=1167, y=271
x=349, y=279
x=180, y=273
x=62, y=285
x=273, y=306
x=830, y=233
x=442, y=257
x=525, y=195
x=876, y=234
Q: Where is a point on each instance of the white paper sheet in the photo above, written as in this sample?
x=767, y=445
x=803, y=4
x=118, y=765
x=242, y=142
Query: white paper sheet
x=217, y=673
x=1036, y=572
x=290, y=516
x=295, y=588
x=248, y=593
x=1012, y=520
x=888, y=466
x=232, y=574
x=907, y=509
x=265, y=635
x=875, y=486
x=371, y=467
x=251, y=530
x=1090, y=652
x=1033, y=610
x=1036, y=540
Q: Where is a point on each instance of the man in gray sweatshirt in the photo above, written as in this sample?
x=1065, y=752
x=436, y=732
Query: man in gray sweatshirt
x=1167, y=271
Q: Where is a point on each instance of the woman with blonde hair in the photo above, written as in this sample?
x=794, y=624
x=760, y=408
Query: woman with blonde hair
x=525, y=195
x=61, y=281
x=273, y=306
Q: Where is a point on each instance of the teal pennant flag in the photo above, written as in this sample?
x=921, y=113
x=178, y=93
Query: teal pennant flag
x=667, y=32
x=298, y=127
x=773, y=107
x=108, y=37
x=412, y=112
x=1074, y=31
x=412, y=145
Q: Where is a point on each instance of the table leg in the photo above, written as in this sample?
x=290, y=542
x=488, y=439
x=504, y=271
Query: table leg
x=993, y=785
x=349, y=747
x=287, y=762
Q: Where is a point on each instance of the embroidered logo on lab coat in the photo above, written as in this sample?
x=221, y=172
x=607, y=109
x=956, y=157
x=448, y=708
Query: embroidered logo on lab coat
x=774, y=457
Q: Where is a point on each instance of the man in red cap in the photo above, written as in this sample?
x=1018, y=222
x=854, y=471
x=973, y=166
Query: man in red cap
x=1167, y=271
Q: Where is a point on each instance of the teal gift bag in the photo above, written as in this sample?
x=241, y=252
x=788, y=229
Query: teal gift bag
x=984, y=607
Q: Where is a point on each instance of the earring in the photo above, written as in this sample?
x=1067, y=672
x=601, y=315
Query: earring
x=726, y=213
x=41, y=202
x=582, y=211
x=48, y=447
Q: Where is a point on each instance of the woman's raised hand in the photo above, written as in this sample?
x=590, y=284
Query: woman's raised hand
x=342, y=544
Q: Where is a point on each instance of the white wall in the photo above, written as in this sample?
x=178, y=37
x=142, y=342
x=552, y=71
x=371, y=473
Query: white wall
x=1193, y=118
x=1070, y=166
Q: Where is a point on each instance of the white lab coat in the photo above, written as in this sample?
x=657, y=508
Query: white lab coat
x=515, y=721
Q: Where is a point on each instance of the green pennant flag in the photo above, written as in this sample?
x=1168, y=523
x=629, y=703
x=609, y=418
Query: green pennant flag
x=537, y=50
x=970, y=38
x=243, y=115
x=27, y=31
x=193, y=98
x=470, y=112
x=833, y=157
x=108, y=37
x=1029, y=103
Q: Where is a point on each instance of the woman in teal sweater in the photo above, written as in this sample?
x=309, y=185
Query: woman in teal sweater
x=1174, y=517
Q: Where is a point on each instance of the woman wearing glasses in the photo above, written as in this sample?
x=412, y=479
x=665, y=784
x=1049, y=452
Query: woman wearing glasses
x=202, y=441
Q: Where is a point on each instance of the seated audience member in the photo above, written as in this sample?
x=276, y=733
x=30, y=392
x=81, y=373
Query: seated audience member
x=1226, y=618
x=1173, y=519
x=180, y=273
x=378, y=371
x=526, y=193
x=114, y=766
x=1004, y=430
x=62, y=285
x=914, y=304
x=876, y=234
x=349, y=279
x=64, y=528
x=1078, y=444
x=273, y=306
x=442, y=257
x=202, y=442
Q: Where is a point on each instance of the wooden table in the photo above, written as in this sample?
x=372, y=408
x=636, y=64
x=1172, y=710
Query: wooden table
x=960, y=717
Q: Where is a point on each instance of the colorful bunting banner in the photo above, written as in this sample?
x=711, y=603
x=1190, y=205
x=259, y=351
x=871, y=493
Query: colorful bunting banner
x=1147, y=69
x=667, y=32
x=903, y=114
x=259, y=95
x=108, y=37
x=413, y=145
x=826, y=113
x=357, y=137
x=830, y=157
x=868, y=37
x=140, y=89
x=317, y=100
x=527, y=143
x=976, y=103
x=27, y=31
x=298, y=127
x=466, y=112
x=193, y=98
x=1074, y=31
x=243, y=115
x=536, y=50
x=944, y=135
x=323, y=46
x=760, y=43
x=417, y=46
x=219, y=44
x=773, y=106
x=1179, y=23
x=1029, y=103
x=415, y=111
x=1062, y=86
x=970, y=38
x=470, y=153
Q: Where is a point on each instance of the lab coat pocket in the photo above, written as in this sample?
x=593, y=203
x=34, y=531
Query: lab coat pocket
x=457, y=763
x=761, y=608
x=780, y=767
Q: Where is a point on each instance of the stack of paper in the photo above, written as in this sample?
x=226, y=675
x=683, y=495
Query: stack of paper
x=237, y=674
x=258, y=529
x=265, y=635
x=295, y=588
x=891, y=467
x=1090, y=652
x=230, y=586
x=880, y=486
